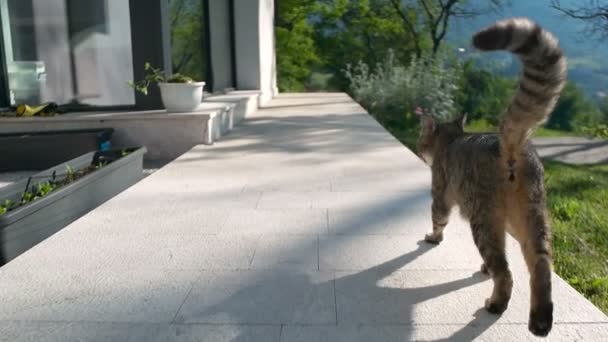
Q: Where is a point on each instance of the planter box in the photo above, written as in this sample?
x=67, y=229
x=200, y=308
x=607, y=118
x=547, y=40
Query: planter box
x=21, y=151
x=26, y=226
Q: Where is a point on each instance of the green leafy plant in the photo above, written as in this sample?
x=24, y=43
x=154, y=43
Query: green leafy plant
x=27, y=197
x=6, y=206
x=156, y=75
x=42, y=189
x=596, y=131
x=69, y=172
x=179, y=78
x=45, y=188
x=390, y=90
x=100, y=165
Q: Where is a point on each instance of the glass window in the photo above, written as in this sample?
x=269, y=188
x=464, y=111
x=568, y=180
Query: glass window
x=187, y=38
x=68, y=51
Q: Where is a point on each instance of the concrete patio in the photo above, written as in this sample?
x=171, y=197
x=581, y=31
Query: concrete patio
x=303, y=224
x=573, y=150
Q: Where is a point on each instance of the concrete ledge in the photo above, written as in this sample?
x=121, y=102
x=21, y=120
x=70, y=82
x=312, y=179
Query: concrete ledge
x=247, y=102
x=166, y=135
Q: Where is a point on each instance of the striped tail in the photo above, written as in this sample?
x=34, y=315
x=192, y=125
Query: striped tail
x=541, y=82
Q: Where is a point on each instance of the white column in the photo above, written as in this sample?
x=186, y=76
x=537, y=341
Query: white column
x=255, y=51
x=220, y=42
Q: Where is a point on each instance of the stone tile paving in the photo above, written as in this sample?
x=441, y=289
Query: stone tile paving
x=304, y=224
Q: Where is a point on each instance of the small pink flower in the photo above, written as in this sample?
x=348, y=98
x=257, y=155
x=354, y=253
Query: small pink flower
x=419, y=111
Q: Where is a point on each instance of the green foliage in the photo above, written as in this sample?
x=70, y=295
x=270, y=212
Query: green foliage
x=574, y=110
x=70, y=174
x=350, y=31
x=483, y=95
x=324, y=36
x=596, y=131
x=6, y=206
x=43, y=189
x=156, y=75
x=296, y=50
x=38, y=191
x=483, y=126
x=565, y=210
x=577, y=200
x=186, y=19
x=153, y=75
x=27, y=197
x=604, y=108
x=318, y=81
x=392, y=92
x=179, y=78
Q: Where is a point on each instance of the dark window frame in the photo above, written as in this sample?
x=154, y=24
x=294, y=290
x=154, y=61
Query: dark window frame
x=146, y=47
x=5, y=95
x=70, y=107
x=231, y=22
x=206, y=46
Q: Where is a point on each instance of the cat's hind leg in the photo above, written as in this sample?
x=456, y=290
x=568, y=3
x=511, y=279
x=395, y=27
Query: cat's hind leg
x=489, y=236
x=536, y=248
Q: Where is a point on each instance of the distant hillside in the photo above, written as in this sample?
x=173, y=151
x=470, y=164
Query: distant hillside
x=587, y=55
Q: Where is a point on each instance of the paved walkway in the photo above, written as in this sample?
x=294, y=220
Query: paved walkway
x=573, y=150
x=303, y=225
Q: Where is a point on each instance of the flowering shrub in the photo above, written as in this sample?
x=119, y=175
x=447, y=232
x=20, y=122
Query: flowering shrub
x=391, y=92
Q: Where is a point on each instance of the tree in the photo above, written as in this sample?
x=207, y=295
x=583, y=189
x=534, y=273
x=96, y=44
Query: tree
x=594, y=12
x=350, y=31
x=295, y=46
x=431, y=18
x=483, y=94
x=604, y=109
x=573, y=110
x=187, y=56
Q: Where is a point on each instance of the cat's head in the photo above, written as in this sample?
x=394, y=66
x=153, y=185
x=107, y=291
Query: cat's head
x=434, y=135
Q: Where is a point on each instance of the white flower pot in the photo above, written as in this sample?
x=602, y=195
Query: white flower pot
x=181, y=97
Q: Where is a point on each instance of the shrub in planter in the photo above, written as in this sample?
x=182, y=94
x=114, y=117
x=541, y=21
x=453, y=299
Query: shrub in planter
x=35, y=208
x=179, y=93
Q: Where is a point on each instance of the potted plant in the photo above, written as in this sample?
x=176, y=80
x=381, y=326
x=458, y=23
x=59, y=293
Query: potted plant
x=179, y=93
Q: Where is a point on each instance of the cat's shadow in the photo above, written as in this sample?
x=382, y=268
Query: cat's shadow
x=355, y=294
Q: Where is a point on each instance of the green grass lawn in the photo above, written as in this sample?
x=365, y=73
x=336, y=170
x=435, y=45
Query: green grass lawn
x=409, y=136
x=578, y=202
x=485, y=126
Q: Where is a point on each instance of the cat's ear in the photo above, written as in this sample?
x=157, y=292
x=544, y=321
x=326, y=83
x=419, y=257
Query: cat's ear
x=428, y=123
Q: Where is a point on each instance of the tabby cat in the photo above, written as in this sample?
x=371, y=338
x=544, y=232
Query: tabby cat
x=496, y=179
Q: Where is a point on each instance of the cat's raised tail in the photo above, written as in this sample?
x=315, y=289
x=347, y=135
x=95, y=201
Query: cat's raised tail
x=541, y=82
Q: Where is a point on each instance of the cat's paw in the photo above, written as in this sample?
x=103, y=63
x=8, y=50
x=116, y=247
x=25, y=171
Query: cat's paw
x=484, y=269
x=541, y=320
x=496, y=307
x=433, y=238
